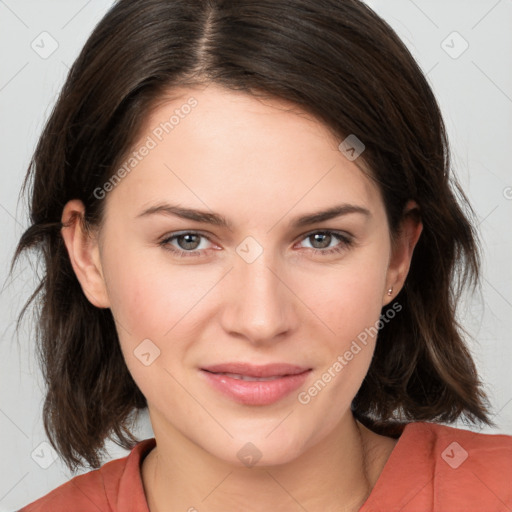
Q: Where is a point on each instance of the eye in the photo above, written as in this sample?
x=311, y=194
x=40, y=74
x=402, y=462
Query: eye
x=323, y=240
x=188, y=243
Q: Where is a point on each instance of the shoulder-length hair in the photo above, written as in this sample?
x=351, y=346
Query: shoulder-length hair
x=336, y=60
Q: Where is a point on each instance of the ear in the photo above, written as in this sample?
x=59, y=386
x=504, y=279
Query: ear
x=83, y=250
x=402, y=249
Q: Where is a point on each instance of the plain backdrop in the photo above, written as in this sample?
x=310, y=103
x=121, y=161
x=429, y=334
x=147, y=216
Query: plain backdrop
x=463, y=47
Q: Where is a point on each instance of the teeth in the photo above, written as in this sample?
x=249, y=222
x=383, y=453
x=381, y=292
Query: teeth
x=246, y=377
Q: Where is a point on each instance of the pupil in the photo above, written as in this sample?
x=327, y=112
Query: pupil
x=327, y=237
x=188, y=244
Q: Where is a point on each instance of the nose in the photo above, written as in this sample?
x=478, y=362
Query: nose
x=258, y=305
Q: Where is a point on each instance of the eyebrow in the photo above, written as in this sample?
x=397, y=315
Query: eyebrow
x=218, y=220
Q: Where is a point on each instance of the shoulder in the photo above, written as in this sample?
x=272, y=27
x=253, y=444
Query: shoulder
x=439, y=467
x=457, y=446
x=107, y=489
x=475, y=453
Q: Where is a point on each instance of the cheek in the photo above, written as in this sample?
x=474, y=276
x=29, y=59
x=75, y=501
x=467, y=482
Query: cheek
x=349, y=304
x=153, y=316
x=350, y=299
x=167, y=305
x=148, y=297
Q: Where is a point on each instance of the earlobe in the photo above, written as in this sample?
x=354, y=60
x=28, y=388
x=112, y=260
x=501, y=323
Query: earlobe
x=83, y=251
x=402, y=251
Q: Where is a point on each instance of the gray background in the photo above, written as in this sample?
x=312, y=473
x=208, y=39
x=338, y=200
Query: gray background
x=473, y=86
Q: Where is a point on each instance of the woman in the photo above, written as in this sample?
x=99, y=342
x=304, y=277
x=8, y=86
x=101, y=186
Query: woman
x=250, y=228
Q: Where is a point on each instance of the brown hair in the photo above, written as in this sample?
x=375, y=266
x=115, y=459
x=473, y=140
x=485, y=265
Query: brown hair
x=334, y=59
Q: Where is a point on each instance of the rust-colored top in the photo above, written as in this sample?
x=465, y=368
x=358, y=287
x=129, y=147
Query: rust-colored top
x=431, y=468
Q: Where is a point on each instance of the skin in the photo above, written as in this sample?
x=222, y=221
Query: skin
x=259, y=164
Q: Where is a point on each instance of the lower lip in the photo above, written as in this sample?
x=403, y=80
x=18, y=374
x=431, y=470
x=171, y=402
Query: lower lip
x=256, y=392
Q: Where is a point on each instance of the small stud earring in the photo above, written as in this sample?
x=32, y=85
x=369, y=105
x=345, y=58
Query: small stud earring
x=390, y=291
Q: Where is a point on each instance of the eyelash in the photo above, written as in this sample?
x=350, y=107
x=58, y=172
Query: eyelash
x=345, y=239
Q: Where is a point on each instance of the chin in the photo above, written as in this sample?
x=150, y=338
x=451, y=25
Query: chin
x=260, y=450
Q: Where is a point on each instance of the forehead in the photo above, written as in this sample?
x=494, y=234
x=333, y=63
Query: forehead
x=215, y=147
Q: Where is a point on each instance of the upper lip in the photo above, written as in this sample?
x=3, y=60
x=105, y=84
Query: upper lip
x=250, y=370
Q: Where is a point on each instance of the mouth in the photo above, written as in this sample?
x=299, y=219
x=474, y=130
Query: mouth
x=255, y=385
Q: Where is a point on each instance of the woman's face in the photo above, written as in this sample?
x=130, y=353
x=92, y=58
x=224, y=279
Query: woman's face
x=189, y=295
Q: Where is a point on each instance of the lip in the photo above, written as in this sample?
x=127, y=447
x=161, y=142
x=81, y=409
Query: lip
x=285, y=379
x=251, y=370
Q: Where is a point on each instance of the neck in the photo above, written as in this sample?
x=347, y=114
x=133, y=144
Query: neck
x=335, y=475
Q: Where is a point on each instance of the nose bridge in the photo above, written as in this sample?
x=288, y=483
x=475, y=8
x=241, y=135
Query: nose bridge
x=260, y=307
